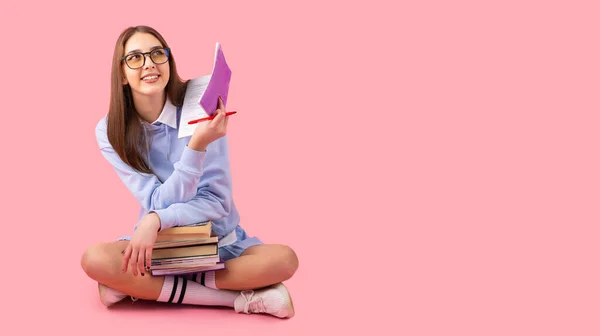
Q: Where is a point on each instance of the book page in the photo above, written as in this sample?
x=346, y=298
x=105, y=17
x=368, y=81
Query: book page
x=191, y=109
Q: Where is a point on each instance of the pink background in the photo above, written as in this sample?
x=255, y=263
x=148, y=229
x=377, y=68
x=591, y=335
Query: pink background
x=434, y=165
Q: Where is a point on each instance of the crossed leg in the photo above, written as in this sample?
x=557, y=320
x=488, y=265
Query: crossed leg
x=258, y=267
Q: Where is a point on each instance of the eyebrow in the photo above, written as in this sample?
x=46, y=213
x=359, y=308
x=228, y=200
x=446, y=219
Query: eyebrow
x=138, y=50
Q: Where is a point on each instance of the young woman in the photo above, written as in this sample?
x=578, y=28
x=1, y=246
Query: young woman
x=177, y=182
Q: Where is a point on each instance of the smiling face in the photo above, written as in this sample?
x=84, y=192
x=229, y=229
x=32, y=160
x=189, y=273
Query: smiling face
x=150, y=78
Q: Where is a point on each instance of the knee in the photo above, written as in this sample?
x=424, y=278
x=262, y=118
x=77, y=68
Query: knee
x=96, y=263
x=289, y=262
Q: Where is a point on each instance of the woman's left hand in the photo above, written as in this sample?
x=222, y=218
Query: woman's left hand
x=141, y=245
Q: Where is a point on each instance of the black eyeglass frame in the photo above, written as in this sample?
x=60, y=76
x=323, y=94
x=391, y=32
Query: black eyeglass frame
x=149, y=53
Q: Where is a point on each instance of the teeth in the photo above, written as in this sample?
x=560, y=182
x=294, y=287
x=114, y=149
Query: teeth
x=150, y=77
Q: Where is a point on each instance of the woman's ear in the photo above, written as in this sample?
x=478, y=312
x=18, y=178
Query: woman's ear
x=124, y=77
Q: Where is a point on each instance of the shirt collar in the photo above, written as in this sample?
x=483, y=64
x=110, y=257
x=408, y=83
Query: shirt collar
x=168, y=116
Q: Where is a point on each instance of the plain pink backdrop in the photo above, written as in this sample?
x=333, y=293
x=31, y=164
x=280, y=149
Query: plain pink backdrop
x=433, y=163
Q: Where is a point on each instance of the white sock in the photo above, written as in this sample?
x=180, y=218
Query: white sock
x=110, y=296
x=205, y=279
x=178, y=289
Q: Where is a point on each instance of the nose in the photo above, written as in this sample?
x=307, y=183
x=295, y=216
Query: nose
x=148, y=62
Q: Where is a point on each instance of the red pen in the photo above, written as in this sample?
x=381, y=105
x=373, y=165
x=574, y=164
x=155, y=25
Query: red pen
x=209, y=118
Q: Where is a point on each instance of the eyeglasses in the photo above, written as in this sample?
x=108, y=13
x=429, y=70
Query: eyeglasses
x=137, y=60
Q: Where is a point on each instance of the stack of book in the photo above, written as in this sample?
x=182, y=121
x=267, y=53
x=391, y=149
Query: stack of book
x=186, y=250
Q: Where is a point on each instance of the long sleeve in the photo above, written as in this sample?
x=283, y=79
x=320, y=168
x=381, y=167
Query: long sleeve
x=150, y=192
x=213, y=199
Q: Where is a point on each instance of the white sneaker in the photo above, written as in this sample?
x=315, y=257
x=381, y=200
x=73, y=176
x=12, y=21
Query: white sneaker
x=109, y=296
x=274, y=300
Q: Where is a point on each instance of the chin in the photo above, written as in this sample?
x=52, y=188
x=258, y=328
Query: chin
x=146, y=91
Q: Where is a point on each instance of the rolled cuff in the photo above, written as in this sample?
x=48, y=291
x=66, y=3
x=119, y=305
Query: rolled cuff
x=192, y=160
x=168, y=218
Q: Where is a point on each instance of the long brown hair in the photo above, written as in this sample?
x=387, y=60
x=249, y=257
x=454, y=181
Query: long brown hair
x=124, y=130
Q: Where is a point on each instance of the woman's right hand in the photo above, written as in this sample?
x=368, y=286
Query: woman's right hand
x=211, y=130
x=138, y=254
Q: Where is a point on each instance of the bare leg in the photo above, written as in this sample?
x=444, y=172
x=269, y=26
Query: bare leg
x=259, y=266
x=102, y=262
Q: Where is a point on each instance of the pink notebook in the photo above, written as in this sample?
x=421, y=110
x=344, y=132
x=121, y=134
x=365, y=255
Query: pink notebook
x=218, y=84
